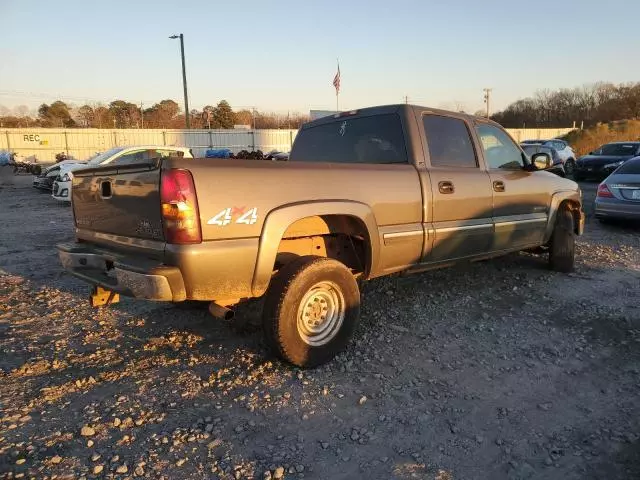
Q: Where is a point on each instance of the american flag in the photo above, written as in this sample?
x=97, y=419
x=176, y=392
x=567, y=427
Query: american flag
x=336, y=80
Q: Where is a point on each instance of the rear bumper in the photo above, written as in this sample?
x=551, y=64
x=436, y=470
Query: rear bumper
x=129, y=276
x=613, y=208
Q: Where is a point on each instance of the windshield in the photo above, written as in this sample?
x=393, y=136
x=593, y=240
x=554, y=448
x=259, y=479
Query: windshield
x=617, y=149
x=101, y=157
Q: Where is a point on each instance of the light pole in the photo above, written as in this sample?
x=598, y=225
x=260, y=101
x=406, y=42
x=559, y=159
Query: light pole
x=184, y=79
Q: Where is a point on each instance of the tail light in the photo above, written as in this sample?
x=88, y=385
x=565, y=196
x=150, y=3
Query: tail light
x=181, y=219
x=603, y=191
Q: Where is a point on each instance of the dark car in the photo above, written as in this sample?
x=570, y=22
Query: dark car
x=618, y=196
x=556, y=162
x=45, y=180
x=604, y=160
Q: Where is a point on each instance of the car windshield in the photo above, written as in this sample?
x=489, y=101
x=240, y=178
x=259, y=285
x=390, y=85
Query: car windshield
x=630, y=167
x=617, y=149
x=101, y=157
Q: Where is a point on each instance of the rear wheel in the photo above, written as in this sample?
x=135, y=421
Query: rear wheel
x=311, y=310
x=562, y=247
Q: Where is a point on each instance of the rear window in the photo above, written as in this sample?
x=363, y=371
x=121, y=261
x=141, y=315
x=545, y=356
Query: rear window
x=631, y=167
x=373, y=139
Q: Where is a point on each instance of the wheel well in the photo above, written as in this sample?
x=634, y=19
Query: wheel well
x=574, y=208
x=342, y=237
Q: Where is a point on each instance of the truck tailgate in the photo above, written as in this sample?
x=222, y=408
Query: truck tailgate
x=120, y=200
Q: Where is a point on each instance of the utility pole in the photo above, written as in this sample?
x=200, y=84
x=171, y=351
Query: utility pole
x=406, y=99
x=487, y=99
x=184, y=79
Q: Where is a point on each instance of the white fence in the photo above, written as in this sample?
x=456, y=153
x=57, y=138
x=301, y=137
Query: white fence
x=79, y=143
x=45, y=143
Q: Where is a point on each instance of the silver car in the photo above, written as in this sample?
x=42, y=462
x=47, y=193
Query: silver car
x=618, y=195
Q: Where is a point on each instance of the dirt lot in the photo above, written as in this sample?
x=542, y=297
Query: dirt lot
x=495, y=370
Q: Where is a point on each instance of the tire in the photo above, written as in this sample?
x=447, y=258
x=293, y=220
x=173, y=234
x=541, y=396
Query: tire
x=562, y=247
x=308, y=336
x=569, y=166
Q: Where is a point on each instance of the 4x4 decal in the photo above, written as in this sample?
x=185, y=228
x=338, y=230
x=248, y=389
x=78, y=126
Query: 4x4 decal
x=241, y=215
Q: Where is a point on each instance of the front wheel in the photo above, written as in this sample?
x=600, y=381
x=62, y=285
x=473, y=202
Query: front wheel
x=562, y=247
x=311, y=310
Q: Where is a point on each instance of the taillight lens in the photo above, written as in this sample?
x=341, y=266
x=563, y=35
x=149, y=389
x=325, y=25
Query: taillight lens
x=603, y=191
x=180, y=216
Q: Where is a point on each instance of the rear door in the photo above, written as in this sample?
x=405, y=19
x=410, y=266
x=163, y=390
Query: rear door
x=462, y=198
x=520, y=199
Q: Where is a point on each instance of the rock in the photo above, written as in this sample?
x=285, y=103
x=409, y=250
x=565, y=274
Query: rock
x=95, y=457
x=545, y=406
x=324, y=445
x=398, y=328
x=90, y=443
x=214, y=443
x=139, y=471
x=278, y=473
x=363, y=400
x=299, y=468
x=87, y=431
x=20, y=461
x=98, y=469
x=548, y=462
x=267, y=475
x=56, y=460
x=122, y=468
x=181, y=462
x=479, y=438
x=116, y=422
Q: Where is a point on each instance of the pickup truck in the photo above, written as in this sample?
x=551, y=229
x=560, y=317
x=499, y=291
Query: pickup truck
x=366, y=193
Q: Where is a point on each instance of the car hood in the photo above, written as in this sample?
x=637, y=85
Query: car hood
x=600, y=160
x=72, y=167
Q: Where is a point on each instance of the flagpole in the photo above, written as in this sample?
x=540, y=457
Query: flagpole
x=338, y=89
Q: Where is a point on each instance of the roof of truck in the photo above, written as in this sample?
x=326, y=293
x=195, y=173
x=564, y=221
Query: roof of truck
x=394, y=108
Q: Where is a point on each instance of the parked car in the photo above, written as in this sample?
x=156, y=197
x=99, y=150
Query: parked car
x=618, y=196
x=61, y=189
x=565, y=152
x=44, y=180
x=605, y=159
x=365, y=193
x=557, y=166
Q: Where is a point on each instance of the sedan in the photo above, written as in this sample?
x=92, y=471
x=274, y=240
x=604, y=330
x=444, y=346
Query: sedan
x=605, y=159
x=618, y=195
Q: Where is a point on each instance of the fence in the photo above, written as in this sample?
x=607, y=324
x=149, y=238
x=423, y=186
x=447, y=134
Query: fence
x=44, y=144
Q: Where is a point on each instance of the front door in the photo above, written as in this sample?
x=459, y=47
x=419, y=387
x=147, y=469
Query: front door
x=520, y=200
x=461, y=197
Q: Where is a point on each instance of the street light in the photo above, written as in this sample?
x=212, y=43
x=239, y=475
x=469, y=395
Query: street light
x=184, y=79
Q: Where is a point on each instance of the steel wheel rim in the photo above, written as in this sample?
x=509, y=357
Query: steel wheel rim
x=320, y=314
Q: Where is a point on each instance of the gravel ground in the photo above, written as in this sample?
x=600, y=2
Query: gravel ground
x=501, y=369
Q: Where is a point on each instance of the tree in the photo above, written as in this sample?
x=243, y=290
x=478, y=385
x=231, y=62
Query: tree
x=126, y=114
x=243, y=117
x=56, y=115
x=223, y=115
x=86, y=115
x=160, y=115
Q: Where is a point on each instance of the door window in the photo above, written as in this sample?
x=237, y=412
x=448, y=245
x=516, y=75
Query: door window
x=449, y=142
x=499, y=150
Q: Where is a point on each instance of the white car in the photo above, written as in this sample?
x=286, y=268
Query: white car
x=115, y=156
x=565, y=152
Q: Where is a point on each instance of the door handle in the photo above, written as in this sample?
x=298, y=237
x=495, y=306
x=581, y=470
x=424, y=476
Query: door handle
x=498, y=186
x=446, y=187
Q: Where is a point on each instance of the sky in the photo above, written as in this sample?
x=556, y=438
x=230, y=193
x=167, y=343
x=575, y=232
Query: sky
x=281, y=55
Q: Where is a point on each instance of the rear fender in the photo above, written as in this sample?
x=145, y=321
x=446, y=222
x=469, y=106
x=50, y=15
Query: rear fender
x=278, y=220
x=575, y=202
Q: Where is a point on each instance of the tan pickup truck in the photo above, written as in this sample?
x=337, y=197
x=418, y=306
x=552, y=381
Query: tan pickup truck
x=366, y=193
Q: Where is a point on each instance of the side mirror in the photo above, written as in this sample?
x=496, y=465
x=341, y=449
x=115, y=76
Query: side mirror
x=590, y=153
x=542, y=161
